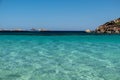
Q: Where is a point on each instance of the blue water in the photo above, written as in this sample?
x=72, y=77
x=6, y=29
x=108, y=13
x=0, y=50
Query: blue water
x=88, y=57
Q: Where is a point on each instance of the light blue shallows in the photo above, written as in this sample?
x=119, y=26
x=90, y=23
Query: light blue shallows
x=88, y=57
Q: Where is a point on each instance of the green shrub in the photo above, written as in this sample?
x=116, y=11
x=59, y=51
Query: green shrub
x=118, y=23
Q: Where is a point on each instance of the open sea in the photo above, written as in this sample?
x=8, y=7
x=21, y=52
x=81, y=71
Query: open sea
x=66, y=57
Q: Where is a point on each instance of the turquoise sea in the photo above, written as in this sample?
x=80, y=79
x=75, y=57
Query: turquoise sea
x=81, y=57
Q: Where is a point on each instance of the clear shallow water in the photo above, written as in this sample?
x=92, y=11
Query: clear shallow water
x=60, y=57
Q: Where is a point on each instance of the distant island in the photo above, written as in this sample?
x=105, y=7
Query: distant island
x=19, y=29
x=111, y=27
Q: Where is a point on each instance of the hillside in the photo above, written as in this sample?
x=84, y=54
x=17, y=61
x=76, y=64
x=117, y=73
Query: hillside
x=109, y=27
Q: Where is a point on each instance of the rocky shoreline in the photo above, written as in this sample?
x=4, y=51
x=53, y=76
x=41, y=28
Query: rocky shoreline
x=111, y=27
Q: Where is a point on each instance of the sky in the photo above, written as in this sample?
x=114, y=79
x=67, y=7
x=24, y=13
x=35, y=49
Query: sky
x=57, y=14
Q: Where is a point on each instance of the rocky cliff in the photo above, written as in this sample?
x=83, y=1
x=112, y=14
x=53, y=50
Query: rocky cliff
x=109, y=27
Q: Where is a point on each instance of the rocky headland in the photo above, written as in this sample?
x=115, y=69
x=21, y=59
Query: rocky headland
x=111, y=27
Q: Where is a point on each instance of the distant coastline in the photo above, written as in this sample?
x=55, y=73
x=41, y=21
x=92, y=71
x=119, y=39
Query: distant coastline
x=51, y=33
x=111, y=27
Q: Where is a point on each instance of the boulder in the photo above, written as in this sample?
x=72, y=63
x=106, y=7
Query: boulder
x=88, y=31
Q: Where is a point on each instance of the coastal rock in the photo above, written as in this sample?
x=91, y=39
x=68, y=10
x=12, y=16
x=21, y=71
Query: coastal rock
x=88, y=31
x=109, y=27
